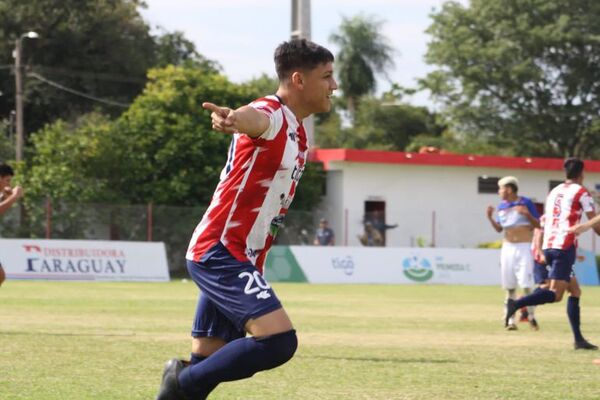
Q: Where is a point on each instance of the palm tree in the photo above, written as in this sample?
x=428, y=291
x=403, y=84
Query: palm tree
x=364, y=52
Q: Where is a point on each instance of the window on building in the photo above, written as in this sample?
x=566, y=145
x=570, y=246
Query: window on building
x=487, y=184
x=553, y=184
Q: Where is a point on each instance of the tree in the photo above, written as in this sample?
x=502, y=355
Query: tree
x=364, y=52
x=524, y=72
x=172, y=48
x=100, y=48
x=384, y=123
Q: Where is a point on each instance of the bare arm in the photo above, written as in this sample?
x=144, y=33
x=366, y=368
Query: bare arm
x=495, y=225
x=532, y=220
x=14, y=195
x=245, y=120
x=593, y=222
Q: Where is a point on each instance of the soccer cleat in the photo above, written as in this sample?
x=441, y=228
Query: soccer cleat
x=584, y=345
x=169, y=387
x=534, y=325
x=510, y=311
x=511, y=327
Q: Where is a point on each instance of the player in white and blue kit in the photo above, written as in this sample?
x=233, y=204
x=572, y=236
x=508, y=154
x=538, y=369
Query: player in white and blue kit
x=517, y=217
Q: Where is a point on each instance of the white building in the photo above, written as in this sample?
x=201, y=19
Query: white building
x=436, y=199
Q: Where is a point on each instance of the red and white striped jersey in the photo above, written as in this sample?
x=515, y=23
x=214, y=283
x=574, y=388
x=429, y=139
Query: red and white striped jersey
x=256, y=187
x=564, y=206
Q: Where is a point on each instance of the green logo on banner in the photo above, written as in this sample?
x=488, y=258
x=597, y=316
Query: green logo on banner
x=417, y=269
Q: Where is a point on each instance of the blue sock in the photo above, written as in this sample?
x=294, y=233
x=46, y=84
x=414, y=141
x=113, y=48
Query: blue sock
x=238, y=359
x=574, y=319
x=196, y=358
x=539, y=296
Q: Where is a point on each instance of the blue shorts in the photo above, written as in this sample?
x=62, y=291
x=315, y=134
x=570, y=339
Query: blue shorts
x=540, y=272
x=561, y=263
x=232, y=292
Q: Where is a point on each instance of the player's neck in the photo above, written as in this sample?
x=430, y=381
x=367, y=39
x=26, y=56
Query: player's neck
x=292, y=102
x=512, y=197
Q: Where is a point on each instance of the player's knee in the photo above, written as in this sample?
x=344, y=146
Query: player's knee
x=279, y=348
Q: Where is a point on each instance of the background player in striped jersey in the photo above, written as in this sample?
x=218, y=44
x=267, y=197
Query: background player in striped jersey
x=564, y=206
x=229, y=246
x=517, y=216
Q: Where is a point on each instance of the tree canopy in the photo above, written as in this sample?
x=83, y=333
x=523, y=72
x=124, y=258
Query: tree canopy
x=101, y=48
x=524, y=72
x=364, y=52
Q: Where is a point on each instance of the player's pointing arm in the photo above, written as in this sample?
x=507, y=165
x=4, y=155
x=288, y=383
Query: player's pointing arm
x=245, y=120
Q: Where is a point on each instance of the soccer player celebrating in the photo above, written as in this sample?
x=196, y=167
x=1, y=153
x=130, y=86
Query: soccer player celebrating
x=228, y=248
x=517, y=216
x=8, y=196
x=564, y=206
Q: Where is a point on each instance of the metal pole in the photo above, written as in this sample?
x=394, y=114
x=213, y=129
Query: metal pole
x=301, y=27
x=48, y=218
x=150, y=222
x=19, y=101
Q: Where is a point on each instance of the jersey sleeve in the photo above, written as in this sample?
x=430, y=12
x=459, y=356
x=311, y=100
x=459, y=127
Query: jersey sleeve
x=275, y=114
x=532, y=210
x=587, y=202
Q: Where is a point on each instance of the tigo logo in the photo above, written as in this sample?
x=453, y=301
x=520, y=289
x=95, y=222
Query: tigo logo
x=417, y=269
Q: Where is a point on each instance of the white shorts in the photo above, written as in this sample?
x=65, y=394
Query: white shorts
x=516, y=265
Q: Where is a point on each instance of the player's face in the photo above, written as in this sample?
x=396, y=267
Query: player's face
x=504, y=192
x=318, y=87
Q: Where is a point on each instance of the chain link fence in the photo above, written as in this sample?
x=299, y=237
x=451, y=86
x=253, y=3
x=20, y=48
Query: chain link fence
x=168, y=224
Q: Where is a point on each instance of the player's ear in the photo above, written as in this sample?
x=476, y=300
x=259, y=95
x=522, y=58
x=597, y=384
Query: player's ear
x=297, y=79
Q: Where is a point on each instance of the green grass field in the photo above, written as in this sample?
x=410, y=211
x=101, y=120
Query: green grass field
x=106, y=341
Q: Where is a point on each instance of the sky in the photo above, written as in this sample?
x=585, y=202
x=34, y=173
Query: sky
x=242, y=34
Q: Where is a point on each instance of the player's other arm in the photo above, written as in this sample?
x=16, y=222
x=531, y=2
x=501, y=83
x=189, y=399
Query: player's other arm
x=245, y=120
x=495, y=224
x=10, y=197
x=527, y=212
x=593, y=222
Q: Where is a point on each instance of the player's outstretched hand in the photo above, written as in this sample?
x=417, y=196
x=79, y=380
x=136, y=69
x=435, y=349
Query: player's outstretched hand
x=223, y=118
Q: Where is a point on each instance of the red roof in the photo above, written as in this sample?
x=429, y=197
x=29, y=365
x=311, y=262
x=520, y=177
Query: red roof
x=455, y=160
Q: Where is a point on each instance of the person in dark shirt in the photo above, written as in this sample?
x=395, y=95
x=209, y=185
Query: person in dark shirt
x=324, y=235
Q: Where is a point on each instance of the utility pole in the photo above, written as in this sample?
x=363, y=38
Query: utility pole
x=20, y=140
x=301, y=30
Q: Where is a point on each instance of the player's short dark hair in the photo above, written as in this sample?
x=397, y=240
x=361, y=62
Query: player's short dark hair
x=6, y=170
x=573, y=167
x=299, y=54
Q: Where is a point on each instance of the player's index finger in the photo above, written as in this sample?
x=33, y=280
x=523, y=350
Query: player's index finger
x=214, y=108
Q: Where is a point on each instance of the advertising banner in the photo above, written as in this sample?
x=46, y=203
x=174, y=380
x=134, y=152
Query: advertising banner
x=398, y=265
x=84, y=260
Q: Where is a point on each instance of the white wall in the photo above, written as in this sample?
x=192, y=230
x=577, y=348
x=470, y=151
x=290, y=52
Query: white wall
x=413, y=192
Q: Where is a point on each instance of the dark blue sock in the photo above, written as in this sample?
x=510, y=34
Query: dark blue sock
x=574, y=318
x=238, y=359
x=196, y=358
x=539, y=296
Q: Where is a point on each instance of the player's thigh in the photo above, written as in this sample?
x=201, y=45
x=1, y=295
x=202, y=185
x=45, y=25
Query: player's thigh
x=507, y=267
x=270, y=324
x=237, y=289
x=524, y=267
